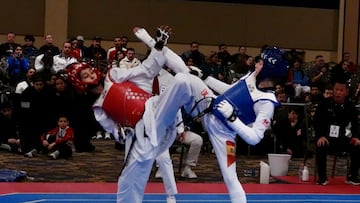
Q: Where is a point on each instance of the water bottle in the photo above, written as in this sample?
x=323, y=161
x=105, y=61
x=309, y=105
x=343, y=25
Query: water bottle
x=305, y=174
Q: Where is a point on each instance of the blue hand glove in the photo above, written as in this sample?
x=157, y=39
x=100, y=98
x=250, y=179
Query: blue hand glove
x=225, y=108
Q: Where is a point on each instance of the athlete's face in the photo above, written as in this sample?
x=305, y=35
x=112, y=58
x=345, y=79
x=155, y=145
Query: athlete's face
x=258, y=66
x=88, y=75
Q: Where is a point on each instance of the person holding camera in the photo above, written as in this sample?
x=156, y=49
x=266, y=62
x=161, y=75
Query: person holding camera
x=17, y=66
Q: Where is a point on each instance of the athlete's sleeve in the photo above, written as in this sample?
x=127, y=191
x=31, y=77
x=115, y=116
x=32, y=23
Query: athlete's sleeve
x=254, y=134
x=148, y=69
x=217, y=85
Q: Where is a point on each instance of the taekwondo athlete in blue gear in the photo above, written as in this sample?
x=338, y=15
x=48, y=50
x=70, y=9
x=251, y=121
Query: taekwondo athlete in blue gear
x=244, y=109
x=246, y=93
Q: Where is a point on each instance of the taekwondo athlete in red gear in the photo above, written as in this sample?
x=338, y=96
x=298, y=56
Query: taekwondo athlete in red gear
x=133, y=179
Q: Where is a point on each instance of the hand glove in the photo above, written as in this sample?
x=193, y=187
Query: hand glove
x=162, y=35
x=225, y=108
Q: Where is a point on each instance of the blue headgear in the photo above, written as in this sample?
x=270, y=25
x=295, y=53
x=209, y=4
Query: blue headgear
x=275, y=64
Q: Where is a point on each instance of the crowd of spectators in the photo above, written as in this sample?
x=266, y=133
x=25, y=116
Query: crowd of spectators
x=35, y=90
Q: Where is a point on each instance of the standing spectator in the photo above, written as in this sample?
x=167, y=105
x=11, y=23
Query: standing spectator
x=49, y=46
x=63, y=59
x=29, y=49
x=58, y=141
x=17, y=66
x=331, y=118
x=194, y=53
x=7, y=48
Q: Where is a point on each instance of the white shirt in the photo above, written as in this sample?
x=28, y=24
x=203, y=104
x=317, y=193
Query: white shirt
x=60, y=62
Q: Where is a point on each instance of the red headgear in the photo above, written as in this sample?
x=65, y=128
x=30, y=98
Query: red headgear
x=73, y=71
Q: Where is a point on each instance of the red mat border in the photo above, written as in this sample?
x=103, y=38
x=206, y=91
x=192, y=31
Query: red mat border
x=193, y=188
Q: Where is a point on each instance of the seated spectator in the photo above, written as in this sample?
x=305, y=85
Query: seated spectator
x=290, y=134
x=29, y=50
x=340, y=71
x=212, y=67
x=129, y=61
x=75, y=51
x=298, y=81
x=62, y=60
x=331, y=118
x=328, y=92
x=49, y=46
x=9, y=137
x=58, y=141
x=17, y=66
x=195, y=54
x=44, y=63
x=36, y=114
x=21, y=86
x=224, y=56
x=7, y=48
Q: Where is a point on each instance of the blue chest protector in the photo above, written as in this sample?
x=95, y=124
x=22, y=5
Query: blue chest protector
x=242, y=96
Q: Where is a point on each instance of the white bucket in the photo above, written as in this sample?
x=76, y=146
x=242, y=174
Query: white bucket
x=279, y=164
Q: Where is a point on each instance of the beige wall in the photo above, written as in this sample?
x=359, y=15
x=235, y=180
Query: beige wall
x=316, y=31
x=209, y=23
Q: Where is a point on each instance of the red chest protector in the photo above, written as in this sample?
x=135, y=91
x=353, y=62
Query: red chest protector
x=125, y=103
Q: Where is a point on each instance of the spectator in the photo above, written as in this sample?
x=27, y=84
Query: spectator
x=61, y=61
x=95, y=51
x=129, y=61
x=341, y=72
x=37, y=114
x=44, y=63
x=316, y=95
x=58, y=141
x=317, y=74
x=194, y=53
x=328, y=92
x=9, y=137
x=224, y=56
x=75, y=51
x=298, y=82
x=21, y=86
x=212, y=67
x=49, y=46
x=29, y=49
x=351, y=65
x=331, y=118
x=7, y=48
x=290, y=134
x=80, y=44
x=239, y=57
x=17, y=66
x=120, y=45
